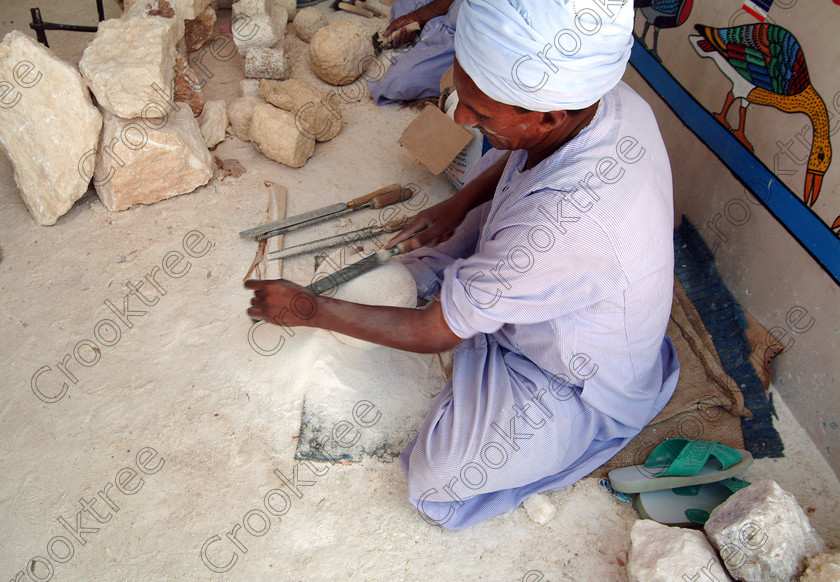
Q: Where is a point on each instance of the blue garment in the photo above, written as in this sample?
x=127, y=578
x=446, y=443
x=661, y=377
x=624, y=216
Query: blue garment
x=561, y=287
x=415, y=74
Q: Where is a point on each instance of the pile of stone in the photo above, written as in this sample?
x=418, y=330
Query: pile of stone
x=759, y=534
x=284, y=119
x=146, y=136
x=142, y=144
x=259, y=31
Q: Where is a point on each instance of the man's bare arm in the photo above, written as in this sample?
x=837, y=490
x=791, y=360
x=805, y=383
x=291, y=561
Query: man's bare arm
x=414, y=330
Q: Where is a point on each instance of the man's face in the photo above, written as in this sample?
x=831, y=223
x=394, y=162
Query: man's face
x=506, y=127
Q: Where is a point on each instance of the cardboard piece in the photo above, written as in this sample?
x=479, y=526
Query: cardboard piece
x=434, y=139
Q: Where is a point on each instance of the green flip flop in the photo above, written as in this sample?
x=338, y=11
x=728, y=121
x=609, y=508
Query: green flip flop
x=680, y=463
x=686, y=506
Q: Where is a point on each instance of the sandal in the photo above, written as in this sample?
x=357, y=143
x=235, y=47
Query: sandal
x=687, y=506
x=680, y=463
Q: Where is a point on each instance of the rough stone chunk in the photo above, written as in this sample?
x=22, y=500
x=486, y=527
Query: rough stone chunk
x=289, y=5
x=762, y=534
x=48, y=125
x=214, y=122
x=188, y=86
x=240, y=112
x=250, y=87
x=539, y=508
x=390, y=285
x=267, y=63
x=130, y=62
x=822, y=568
x=340, y=52
x=659, y=553
x=142, y=161
x=315, y=116
x=275, y=133
x=200, y=29
x=309, y=21
x=254, y=31
x=279, y=17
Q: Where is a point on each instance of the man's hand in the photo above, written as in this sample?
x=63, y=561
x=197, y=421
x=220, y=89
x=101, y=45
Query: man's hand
x=281, y=302
x=431, y=226
x=403, y=35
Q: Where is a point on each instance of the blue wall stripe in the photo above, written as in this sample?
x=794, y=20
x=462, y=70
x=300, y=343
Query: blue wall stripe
x=805, y=226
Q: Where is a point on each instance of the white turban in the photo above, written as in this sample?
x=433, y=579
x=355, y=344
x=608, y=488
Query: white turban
x=545, y=55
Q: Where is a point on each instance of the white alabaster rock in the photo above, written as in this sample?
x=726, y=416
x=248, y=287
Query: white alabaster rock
x=315, y=116
x=130, y=62
x=340, y=51
x=389, y=285
x=290, y=6
x=142, y=163
x=214, y=122
x=240, y=111
x=309, y=21
x=267, y=63
x=274, y=132
x=762, y=534
x=48, y=126
x=659, y=553
x=539, y=508
x=822, y=568
x=254, y=31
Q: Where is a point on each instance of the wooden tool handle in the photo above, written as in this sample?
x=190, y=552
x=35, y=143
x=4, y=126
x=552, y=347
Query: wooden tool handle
x=392, y=197
x=356, y=10
x=368, y=197
x=387, y=40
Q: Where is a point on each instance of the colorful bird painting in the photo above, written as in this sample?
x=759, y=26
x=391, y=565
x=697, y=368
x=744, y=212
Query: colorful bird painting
x=662, y=14
x=767, y=67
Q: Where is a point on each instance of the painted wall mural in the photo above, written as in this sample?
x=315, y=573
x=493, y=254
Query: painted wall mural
x=764, y=64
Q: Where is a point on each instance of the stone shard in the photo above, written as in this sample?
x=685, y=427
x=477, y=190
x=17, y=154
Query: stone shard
x=340, y=52
x=142, y=161
x=188, y=86
x=130, y=61
x=186, y=9
x=275, y=133
x=200, y=29
x=267, y=63
x=539, y=508
x=822, y=568
x=240, y=112
x=309, y=21
x=214, y=122
x=48, y=126
x=762, y=534
x=659, y=553
x=315, y=116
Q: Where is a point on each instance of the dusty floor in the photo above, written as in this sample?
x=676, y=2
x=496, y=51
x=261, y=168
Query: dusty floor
x=206, y=424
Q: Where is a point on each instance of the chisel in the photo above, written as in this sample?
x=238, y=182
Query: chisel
x=382, y=197
x=358, y=268
x=339, y=239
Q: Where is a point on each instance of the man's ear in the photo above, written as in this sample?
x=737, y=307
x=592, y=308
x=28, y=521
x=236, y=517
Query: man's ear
x=553, y=119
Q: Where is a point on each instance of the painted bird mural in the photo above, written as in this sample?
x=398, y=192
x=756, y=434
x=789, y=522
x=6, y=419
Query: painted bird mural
x=662, y=14
x=767, y=67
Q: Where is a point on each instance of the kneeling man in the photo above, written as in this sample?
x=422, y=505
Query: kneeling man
x=550, y=273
